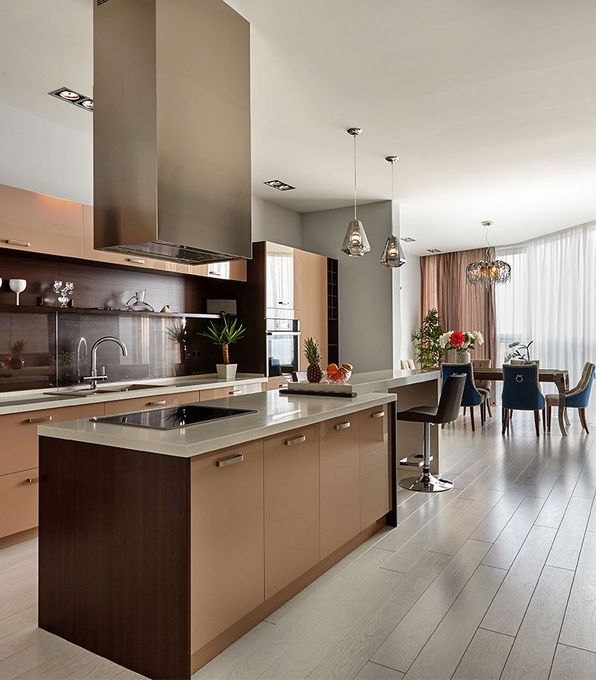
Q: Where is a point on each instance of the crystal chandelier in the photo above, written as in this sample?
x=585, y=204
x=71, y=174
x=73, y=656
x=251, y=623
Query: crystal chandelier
x=488, y=272
x=393, y=254
x=355, y=243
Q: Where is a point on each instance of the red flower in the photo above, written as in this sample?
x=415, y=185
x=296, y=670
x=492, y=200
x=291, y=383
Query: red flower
x=457, y=339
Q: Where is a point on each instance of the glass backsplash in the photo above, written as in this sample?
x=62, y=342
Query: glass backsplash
x=41, y=350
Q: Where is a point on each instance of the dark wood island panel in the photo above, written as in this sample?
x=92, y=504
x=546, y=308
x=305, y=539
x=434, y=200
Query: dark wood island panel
x=102, y=509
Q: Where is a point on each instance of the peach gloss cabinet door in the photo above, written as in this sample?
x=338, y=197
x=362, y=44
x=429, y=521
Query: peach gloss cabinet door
x=340, y=482
x=226, y=523
x=19, y=433
x=18, y=501
x=375, y=465
x=291, y=506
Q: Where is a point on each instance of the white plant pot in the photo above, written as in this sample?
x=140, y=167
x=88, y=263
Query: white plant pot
x=462, y=357
x=226, y=371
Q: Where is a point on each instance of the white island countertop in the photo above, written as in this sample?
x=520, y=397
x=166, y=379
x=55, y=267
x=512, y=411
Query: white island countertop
x=276, y=413
x=380, y=381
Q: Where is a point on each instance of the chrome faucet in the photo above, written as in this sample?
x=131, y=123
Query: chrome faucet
x=94, y=378
x=82, y=345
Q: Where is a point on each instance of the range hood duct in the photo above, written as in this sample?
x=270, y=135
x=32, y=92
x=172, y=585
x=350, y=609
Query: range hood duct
x=172, y=130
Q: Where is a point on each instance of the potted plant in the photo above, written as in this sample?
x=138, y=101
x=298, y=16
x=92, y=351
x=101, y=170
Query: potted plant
x=178, y=333
x=462, y=342
x=426, y=340
x=224, y=334
x=16, y=360
x=518, y=353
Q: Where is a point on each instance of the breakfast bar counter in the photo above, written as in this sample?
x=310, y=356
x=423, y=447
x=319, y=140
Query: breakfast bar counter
x=158, y=548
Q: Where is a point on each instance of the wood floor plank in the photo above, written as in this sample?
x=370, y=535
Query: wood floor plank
x=536, y=641
x=485, y=657
x=567, y=545
x=573, y=664
x=498, y=517
x=505, y=548
x=553, y=510
x=408, y=638
x=509, y=606
x=579, y=625
x=17, y=621
x=347, y=657
x=372, y=671
x=443, y=652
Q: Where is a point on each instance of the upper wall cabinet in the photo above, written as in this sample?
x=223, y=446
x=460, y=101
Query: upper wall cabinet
x=234, y=270
x=39, y=223
x=279, y=278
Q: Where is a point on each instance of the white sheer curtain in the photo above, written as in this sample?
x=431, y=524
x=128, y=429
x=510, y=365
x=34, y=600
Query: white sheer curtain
x=551, y=300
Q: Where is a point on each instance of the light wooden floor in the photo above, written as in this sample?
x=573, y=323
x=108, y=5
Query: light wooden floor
x=495, y=579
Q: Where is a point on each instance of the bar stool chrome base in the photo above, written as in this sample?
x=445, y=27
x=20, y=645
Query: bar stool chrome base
x=427, y=483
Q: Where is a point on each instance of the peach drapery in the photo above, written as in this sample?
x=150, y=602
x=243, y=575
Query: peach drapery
x=461, y=305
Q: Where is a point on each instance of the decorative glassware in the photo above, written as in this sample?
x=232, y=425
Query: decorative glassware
x=64, y=291
x=17, y=286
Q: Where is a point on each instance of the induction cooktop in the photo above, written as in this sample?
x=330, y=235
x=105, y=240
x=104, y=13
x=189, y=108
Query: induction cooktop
x=174, y=417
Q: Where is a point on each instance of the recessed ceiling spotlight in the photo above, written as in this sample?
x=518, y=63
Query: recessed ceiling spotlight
x=434, y=251
x=278, y=184
x=67, y=94
x=408, y=239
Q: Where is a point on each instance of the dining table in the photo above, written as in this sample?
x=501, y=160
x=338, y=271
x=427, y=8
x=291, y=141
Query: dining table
x=559, y=377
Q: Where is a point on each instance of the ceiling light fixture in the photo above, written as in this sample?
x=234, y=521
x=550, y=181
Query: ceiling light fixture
x=434, y=251
x=278, y=184
x=71, y=96
x=393, y=254
x=407, y=239
x=355, y=243
x=488, y=272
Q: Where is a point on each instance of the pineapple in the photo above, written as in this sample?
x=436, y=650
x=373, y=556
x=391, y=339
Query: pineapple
x=312, y=352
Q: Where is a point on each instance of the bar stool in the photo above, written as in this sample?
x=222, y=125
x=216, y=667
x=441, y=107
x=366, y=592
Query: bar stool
x=445, y=412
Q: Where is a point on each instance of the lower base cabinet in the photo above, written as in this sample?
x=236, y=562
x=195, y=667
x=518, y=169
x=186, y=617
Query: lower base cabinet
x=18, y=492
x=375, y=465
x=227, y=546
x=291, y=474
x=340, y=482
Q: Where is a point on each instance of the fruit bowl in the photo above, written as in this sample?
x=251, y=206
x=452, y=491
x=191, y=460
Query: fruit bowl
x=339, y=377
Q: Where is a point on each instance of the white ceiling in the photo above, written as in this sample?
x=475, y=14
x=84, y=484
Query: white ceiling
x=490, y=104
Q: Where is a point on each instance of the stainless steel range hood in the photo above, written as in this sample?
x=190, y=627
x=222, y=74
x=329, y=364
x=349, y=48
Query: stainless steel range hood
x=172, y=129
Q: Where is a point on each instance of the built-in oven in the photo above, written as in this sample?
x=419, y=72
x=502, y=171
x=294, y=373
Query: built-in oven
x=283, y=346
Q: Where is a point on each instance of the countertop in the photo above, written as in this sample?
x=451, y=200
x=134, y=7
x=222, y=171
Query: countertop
x=276, y=413
x=381, y=381
x=36, y=400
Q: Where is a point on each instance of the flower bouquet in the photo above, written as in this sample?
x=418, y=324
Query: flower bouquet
x=462, y=342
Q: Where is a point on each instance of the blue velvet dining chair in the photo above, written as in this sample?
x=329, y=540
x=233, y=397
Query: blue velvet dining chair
x=578, y=397
x=521, y=392
x=472, y=396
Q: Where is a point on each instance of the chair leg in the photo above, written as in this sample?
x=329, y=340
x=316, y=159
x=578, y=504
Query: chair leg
x=490, y=413
x=549, y=417
x=472, y=418
x=427, y=481
x=583, y=419
x=506, y=417
x=537, y=422
x=544, y=420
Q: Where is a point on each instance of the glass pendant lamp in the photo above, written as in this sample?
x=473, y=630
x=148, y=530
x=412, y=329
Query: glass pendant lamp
x=355, y=243
x=488, y=272
x=393, y=254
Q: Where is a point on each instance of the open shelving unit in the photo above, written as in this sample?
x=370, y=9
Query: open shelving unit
x=332, y=310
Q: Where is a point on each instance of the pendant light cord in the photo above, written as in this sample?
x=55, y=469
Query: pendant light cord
x=355, y=178
x=392, y=195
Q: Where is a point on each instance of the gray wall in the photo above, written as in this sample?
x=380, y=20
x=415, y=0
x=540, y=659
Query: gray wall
x=271, y=222
x=369, y=310
x=410, y=303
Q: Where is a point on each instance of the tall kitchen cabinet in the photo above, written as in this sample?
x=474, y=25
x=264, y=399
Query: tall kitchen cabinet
x=288, y=283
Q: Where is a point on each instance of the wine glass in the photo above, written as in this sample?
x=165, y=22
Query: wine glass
x=17, y=286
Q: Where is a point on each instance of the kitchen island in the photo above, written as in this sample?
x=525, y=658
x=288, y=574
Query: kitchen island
x=159, y=548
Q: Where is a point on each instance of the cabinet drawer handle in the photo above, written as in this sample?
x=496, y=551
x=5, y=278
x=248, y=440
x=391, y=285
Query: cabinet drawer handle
x=232, y=460
x=36, y=421
x=378, y=414
x=212, y=273
x=343, y=426
x=17, y=242
x=283, y=303
x=135, y=260
x=161, y=402
x=296, y=440
x=32, y=480
x=236, y=390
